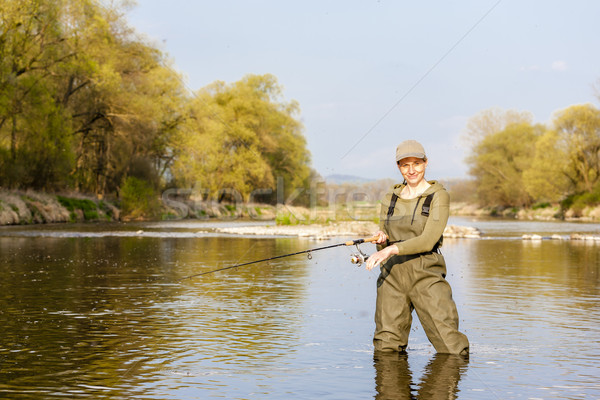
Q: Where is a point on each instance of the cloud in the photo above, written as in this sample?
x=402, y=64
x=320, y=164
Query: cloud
x=559, y=65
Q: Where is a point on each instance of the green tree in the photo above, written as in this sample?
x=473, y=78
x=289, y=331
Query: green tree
x=546, y=178
x=126, y=101
x=33, y=149
x=578, y=127
x=493, y=120
x=86, y=104
x=498, y=162
x=83, y=101
x=244, y=136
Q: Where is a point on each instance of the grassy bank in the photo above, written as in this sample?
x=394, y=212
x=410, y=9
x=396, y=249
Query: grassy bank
x=28, y=207
x=21, y=208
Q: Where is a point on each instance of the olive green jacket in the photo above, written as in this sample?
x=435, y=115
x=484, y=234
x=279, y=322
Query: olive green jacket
x=417, y=233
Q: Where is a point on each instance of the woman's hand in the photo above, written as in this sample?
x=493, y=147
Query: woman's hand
x=381, y=237
x=379, y=257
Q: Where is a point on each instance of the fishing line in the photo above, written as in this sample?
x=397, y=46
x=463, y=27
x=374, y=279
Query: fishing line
x=422, y=78
x=308, y=252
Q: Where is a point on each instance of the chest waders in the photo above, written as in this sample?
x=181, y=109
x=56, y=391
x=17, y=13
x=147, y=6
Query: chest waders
x=386, y=268
x=416, y=282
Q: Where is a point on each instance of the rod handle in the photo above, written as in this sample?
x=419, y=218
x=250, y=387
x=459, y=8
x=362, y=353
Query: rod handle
x=359, y=241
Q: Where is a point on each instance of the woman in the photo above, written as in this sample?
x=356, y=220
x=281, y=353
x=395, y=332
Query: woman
x=413, y=217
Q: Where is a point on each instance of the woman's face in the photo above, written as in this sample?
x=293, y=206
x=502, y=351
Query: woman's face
x=412, y=169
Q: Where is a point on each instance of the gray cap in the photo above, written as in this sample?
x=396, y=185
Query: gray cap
x=410, y=148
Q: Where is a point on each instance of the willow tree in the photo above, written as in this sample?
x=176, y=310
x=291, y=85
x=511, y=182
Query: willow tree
x=578, y=127
x=83, y=100
x=125, y=99
x=498, y=162
x=33, y=148
x=493, y=120
x=245, y=138
x=546, y=179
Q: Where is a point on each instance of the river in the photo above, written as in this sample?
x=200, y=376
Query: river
x=101, y=311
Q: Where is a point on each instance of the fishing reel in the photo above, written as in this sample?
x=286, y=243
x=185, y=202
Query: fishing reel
x=359, y=257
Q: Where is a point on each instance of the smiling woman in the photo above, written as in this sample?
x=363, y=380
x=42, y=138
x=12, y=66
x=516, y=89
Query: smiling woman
x=413, y=270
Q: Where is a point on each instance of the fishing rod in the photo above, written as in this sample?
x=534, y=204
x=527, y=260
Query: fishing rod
x=356, y=258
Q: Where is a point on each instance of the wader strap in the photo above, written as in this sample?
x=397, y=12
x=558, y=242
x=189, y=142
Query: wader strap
x=425, y=212
x=427, y=205
x=390, y=211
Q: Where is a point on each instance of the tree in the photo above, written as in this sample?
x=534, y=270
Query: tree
x=86, y=104
x=83, y=101
x=493, y=120
x=578, y=127
x=125, y=98
x=546, y=178
x=498, y=162
x=243, y=137
x=33, y=149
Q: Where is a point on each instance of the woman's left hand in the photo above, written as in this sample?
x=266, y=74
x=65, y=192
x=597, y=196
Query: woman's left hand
x=377, y=258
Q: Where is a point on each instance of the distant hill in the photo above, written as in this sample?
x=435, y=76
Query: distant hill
x=339, y=179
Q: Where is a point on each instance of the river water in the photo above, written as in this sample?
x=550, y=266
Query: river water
x=101, y=311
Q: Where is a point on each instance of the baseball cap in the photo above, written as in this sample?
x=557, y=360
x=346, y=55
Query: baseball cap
x=410, y=148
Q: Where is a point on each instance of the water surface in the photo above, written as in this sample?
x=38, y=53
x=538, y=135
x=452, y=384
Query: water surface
x=101, y=311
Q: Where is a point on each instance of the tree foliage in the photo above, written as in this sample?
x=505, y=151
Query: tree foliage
x=518, y=164
x=243, y=137
x=546, y=177
x=499, y=161
x=578, y=127
x=85, y=104
x=81, y=97
x=493, y=120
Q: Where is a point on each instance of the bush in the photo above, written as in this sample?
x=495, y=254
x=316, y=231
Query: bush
x=541, y=205
x=139, y=199
x=577, y=202
x=289, y=215
x=87, y=207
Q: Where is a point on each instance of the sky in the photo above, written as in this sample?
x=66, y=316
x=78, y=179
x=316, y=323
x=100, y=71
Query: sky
x=370, y=74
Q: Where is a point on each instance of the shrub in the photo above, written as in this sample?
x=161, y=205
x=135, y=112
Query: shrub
x=577, y=202
x=139, y=199
x=541, y=205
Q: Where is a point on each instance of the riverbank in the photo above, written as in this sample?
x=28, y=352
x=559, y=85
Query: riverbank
x=29, y=207
x=546, y=212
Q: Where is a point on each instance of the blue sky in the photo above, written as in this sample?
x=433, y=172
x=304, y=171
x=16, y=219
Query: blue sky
x=370, y=74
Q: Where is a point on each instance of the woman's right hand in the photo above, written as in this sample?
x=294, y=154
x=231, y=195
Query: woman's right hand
x=381, y=237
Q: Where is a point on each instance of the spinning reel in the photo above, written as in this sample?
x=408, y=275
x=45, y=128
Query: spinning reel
x=359, y=257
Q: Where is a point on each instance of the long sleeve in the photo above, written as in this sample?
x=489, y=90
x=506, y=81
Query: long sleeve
x=434, y=227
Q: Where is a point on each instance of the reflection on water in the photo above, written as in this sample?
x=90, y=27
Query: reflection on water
x=394, y=379
x=96, y=312
x=86, y=314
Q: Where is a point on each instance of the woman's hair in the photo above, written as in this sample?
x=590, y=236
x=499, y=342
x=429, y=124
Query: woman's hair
x=424, y=160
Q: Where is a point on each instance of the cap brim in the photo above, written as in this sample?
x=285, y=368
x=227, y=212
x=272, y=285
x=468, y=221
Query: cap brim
x=406, y=155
